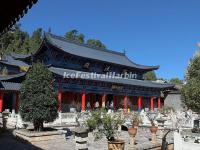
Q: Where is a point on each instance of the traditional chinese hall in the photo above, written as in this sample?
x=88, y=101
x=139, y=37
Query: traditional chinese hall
x=81, y=93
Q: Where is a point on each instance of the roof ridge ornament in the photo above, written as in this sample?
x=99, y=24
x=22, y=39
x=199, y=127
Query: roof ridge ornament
x=124, y=51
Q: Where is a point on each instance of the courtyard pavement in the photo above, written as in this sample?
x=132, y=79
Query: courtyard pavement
x=8, y=142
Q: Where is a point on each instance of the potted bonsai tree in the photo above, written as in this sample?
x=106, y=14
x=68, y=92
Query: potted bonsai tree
x=108, y=126
x=136, y=119
x=94, y=119
x=153, y=127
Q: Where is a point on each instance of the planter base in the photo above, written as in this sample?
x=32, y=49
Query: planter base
x=116, y=145
x=153, y=138
x=35, y=137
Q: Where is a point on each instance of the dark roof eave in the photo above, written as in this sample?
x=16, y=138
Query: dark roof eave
x=141, y=83
x=14, y=11
x=144, y=67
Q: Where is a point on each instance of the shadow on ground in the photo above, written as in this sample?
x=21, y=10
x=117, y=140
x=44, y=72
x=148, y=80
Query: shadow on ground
x=9, y=142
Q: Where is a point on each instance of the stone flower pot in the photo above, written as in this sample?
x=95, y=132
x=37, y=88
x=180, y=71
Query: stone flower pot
x=153, y=130
x=116, y=145
x=132, y=131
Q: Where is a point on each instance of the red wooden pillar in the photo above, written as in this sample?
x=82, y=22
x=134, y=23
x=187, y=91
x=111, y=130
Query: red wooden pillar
x=17, y=102
x=1, y=101
x=139, y=103
x=159, y=103
x=103, y=100
x=83, y=96
x=125, y=104
x=59, y=100
x=115, y=102
x=151, y=104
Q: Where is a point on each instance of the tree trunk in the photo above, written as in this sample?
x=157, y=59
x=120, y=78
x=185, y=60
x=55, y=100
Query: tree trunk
x=38, y=125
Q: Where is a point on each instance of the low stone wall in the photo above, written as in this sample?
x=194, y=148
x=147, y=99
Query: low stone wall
x=35, y=137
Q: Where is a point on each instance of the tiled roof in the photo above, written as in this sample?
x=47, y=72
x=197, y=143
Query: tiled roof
x=83, y=50
x=10, y=60
x=135, y=82
x=11, y=86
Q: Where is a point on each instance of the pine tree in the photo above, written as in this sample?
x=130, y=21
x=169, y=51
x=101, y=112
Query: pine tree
x=151, y=76
x=71, y=35
x=38, y=103
x=176, y=81
x=80, y=38
x=18, y=41
x=95, y=43
x=35, y=40
x=191, y=90
x=5, y=40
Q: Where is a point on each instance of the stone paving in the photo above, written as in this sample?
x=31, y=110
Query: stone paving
x=7, y=142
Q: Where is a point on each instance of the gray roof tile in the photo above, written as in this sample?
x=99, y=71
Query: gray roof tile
x=86, y=51
x=9, y=60
x=8, y=77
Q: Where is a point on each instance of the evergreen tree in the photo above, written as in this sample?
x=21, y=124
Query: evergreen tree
x=35, y=40
x=191, y=90
x=95, y=43
x=150, y=76
x=71, y=35
x=38, y=103
x=74, y=36
x=17, y=43
x=176, y=81
x=5, y=40
x=80, y=38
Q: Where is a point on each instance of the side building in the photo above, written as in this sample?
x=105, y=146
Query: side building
x=174, y=99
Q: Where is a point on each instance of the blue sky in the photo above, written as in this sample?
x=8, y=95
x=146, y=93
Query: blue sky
x=152, y=32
